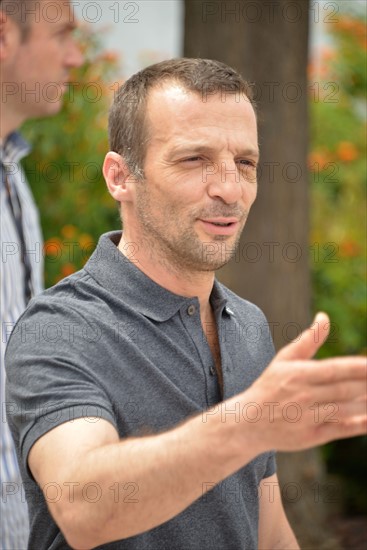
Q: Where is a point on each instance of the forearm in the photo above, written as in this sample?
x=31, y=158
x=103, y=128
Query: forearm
x=277, y=537
x=168, y=472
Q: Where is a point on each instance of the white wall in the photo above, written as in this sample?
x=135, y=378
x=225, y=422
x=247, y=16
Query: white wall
x=141, y=31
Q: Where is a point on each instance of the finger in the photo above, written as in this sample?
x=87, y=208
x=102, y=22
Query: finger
x=342, y=411
x=350, y=426
x=309, y=341
x=338, y=392
x=334, y=412
x=337, y=369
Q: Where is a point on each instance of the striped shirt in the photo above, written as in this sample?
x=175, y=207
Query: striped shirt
x=14, y=513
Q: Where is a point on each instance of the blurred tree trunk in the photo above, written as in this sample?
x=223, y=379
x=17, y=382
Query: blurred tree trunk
x=267, y=41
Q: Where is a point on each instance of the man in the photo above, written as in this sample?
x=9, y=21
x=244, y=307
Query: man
x=37, y=51
x=150, y=420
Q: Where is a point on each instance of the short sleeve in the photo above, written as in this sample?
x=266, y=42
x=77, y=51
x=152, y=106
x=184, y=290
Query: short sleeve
x=271, y=465
x=49, y=376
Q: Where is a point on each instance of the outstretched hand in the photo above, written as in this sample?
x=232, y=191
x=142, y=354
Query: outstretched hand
x=307, y=402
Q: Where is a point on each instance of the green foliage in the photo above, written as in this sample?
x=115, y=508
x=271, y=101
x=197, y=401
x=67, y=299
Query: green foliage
x=64, y=168
x=338, y=130
x=337, y=178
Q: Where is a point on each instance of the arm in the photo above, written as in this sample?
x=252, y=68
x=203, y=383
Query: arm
x=168, y=469
x=274, y=530
x=167, y=472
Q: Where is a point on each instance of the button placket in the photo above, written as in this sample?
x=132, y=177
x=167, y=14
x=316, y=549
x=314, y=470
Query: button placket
x=190, y=316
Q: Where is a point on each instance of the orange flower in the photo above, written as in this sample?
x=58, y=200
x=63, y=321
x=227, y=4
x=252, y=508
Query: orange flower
x=320, y=158
x=68, y=231
x=311, y=69
x=109, y=56
x=347, y=151
x=327, y=53
x=350, y=249
x=346, y=23
x=53, y=247
x=68, y=269
x=86, y=240
x=352, y=25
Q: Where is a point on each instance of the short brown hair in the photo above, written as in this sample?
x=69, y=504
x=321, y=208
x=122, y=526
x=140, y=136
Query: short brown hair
x=127, y=128
x=18, y=11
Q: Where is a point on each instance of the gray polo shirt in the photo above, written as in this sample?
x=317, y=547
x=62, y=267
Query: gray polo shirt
x=109, y=342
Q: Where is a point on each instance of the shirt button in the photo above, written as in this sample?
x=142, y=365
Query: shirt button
x=191, y=310
x=212, y=371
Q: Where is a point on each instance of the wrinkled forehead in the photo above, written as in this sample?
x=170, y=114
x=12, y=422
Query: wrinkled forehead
x=175, y=89
x=171, y=105
x=179, y=121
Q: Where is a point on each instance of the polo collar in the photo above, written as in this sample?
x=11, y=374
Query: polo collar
x=120, y=276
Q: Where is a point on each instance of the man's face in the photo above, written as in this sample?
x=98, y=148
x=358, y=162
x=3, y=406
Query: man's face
x=200, y=177
x=36, y=69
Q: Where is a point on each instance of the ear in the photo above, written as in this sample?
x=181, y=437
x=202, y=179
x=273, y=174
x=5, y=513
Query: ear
x=9, y=35
x=3, y=33
x=119, y=180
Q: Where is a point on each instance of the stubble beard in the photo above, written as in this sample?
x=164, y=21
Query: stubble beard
x=181, y=250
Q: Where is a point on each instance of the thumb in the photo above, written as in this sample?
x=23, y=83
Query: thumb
x=309, y=341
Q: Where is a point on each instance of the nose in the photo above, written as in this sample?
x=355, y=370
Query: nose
x=74, y=56
x=225, y=182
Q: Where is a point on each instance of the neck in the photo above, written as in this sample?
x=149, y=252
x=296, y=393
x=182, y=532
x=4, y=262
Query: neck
x=177, y=280
x=8, y=122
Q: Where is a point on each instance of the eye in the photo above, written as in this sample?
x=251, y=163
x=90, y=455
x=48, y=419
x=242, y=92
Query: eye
x=66, y=32
x=62, y=35
x=247, y=162
x=191, y=159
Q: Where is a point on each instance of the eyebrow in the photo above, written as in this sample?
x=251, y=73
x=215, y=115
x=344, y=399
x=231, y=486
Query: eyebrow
x=68, y=26
x=72, y=26
x=203, y=148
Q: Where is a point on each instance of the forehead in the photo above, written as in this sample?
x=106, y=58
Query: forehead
x=47, y=14
x=174, y=112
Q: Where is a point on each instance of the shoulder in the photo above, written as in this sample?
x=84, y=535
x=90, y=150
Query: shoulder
x=51, y=314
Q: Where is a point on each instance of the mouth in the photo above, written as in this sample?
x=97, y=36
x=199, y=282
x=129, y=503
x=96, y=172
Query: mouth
x=220, y=226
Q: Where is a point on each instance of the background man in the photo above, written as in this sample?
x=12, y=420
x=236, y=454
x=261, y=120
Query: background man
x=151, y=418
x=37, y=51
